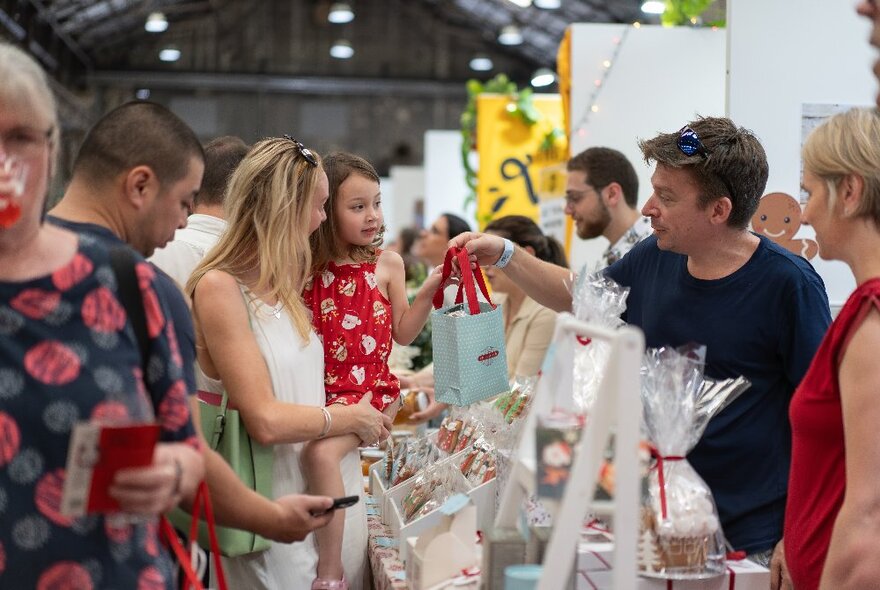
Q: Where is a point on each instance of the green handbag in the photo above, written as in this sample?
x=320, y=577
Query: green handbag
x=251, y=461
x=221, y=424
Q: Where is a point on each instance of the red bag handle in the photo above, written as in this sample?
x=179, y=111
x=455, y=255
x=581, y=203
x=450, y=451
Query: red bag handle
x=468, y=283
x=173, y=541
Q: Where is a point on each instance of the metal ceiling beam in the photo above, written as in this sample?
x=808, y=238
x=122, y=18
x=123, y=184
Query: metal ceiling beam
x=32, y=26
x=278, y=84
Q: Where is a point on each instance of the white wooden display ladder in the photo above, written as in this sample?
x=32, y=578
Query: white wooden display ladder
x=618, y=405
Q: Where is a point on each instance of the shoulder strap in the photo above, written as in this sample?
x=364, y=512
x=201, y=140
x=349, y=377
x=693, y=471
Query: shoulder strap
x=123, y=261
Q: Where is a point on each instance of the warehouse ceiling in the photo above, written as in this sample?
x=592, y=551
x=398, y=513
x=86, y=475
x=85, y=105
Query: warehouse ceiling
x=392, y=39
x=238, y=59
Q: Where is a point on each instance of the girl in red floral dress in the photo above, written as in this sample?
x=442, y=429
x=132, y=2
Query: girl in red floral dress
x=358, y=300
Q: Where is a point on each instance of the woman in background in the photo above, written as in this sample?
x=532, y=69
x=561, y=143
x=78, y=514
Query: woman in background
x=403, y=244
x=528, y=326
x=431, y=244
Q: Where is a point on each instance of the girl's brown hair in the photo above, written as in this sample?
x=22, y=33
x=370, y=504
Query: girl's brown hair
x=339, y=166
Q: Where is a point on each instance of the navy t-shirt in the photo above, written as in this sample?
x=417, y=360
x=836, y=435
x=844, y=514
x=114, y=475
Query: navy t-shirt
x=765, y=322
x=167, y=290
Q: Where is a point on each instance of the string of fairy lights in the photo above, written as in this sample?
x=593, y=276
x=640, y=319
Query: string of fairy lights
x=599, y=83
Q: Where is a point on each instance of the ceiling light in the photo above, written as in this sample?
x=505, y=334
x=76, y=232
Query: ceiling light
x=543, y=77
x=548, y=4
x=522, y=3
x=481, y=63
x=340, y=13
x=142, y=93
x=510, y=35
x=653, y=7
x=156, y=23
x=342, y=49
x=170, y=53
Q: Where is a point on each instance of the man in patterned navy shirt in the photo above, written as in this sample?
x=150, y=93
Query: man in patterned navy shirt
x=140, y=192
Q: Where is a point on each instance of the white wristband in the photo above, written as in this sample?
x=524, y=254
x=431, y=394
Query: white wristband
x=506, y=255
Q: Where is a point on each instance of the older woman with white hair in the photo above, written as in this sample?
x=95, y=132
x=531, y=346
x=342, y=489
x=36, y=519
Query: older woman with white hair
x=67, y=355
x=832, y=519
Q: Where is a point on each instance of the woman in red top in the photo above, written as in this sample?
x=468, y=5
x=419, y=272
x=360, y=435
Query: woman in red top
x=832, y=519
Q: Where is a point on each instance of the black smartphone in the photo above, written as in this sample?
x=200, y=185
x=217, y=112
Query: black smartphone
x=339, y=503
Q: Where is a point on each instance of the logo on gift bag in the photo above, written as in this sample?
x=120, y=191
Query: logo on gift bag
x=487, y=357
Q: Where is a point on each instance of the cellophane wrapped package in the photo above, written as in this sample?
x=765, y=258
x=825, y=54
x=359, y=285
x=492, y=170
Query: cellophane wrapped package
x=599, y=301
x=432, y=487
x=681, y=535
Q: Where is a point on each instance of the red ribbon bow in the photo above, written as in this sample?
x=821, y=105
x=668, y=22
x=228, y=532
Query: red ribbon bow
x=661, y=478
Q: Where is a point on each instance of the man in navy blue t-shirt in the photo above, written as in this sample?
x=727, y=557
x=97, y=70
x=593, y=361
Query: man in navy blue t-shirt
x=704, y=277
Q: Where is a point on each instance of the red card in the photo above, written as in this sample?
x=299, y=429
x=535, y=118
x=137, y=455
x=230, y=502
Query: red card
x=95, y=454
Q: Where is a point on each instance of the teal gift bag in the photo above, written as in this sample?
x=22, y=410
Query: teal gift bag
x=470, y=363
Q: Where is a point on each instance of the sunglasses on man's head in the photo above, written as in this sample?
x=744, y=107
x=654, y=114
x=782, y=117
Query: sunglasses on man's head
x=689, y=142
x=303, y=150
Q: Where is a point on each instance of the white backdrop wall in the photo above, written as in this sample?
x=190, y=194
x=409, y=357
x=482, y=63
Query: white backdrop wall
x=445, y=187
x=408, y=183
x=660, y=79
x=783, y=55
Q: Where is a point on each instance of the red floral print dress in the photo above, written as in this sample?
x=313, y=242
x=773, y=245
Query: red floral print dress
x=353, y=318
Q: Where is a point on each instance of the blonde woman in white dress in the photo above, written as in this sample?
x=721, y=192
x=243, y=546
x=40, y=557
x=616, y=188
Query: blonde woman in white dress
x=254, y=339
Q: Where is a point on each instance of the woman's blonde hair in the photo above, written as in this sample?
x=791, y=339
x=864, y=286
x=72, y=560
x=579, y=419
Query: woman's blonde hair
x=268, y=208
x=848, y=143
x=339, y=166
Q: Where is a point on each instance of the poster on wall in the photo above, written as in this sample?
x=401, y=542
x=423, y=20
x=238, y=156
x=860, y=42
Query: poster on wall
x=813, y=115
x=551, y=201
x=518, y=169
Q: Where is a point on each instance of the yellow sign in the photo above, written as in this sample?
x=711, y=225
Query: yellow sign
x=515, y=174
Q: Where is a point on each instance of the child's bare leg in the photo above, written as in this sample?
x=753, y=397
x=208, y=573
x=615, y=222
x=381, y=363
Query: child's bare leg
x=321, y=460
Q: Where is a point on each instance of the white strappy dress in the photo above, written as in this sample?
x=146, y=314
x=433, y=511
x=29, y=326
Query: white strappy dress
x=297, y=373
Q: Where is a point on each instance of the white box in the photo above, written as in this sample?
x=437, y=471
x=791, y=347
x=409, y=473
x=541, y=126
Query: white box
x=443, y=551
x=595, y=573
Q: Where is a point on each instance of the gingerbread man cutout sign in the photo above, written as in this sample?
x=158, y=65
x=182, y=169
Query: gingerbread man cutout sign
x=779, y=218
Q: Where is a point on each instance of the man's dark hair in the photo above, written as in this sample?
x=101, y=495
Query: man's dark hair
x=523, y=231
x=138, y=133
x=603, y=166
x=222, y=157
x=455, y=224
x=732, y=163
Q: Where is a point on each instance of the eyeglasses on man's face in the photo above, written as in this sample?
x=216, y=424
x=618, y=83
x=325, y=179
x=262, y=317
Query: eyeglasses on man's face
x=574, y=197
x=24, y=142
x=305, y=152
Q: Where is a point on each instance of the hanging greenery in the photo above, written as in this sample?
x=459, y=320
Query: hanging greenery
x=687, y=12
x=521, y=107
